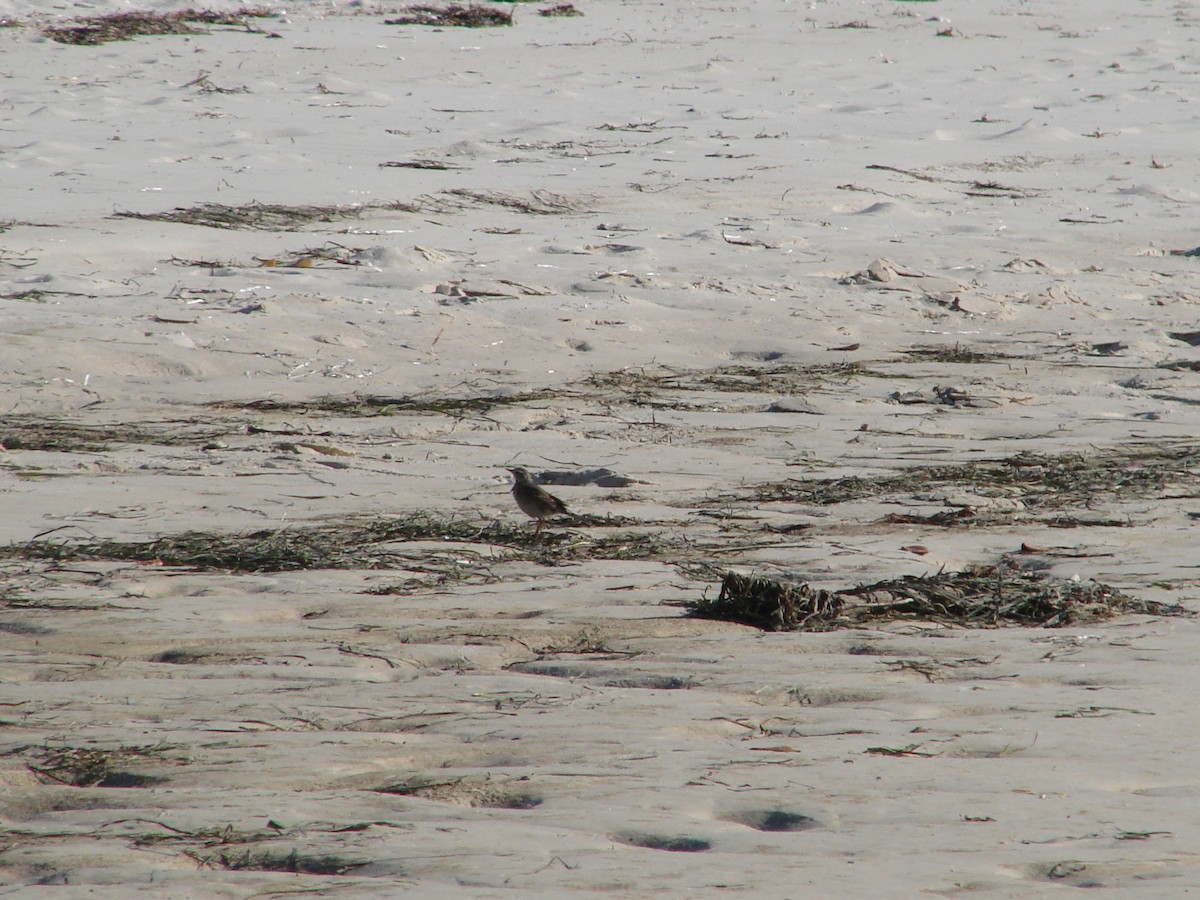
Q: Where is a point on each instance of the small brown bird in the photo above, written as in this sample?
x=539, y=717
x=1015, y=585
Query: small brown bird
x=534, y=501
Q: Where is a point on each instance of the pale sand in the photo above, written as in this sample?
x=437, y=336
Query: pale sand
x=716, y=161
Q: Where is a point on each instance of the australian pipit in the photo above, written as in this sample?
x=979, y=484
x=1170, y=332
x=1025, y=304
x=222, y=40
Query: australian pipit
x=534, y=501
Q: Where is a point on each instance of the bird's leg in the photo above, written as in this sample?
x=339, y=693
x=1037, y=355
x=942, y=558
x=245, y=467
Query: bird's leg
x=537, y=530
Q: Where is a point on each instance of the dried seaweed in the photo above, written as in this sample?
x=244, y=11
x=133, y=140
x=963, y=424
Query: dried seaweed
x=262, y=216
x=432, y=164
x=956, y=354
x=538, y=202
x=464, y=791
x=94, y=767
x=670, y=843
x=769, y=604
x=995, y=595
x=453, y=15
x=124, y=26
x=277, y=550
x=349, y=544
x=647, y=386
x=33, y=295
x=281, y=217
x=33, y=433
x=268, y=861
x=982, y=597
x=1039, y=481
x=371, y=405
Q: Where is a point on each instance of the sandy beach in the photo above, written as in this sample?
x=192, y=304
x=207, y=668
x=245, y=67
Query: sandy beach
x=826, y=293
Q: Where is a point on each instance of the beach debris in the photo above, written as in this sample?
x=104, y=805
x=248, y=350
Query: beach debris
x=1095, y=219
x=208, y=86
x=453, y=15
x=562, y=9
x=23, y=432
x=537, y=202
x=794, y=405
x=975, y=187
x=1027, y=265
x=357, y=542
x=881, y=271
x=981, y=597
x=956, y=353
x=262, y=216
x=434, y=164
x=770, y=604
x=1043, y=482
x=1180, y=365
x=958, y=397
x=87, y=767
x=670, y=843
x=461, y=790
x=124, y=26
x=277, y=861
x=747, y=242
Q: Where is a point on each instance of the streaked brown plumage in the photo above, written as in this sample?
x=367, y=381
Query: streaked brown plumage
x=533, y=500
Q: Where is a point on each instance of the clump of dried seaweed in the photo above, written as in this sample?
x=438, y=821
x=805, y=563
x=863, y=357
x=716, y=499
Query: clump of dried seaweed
x=659, y=387
x=124, y=26
x=261, y=216
x=93, y=766
x=1040, y=481
x=34, y=433
x=981, y=597
x=538, y=202
x=988, y=596
x=372, y=405
x=957, y=354
x=454, y=15
x=335, y=546
x=464, y=791
x=268, y=861
x=770, y=604
x=352, y=544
